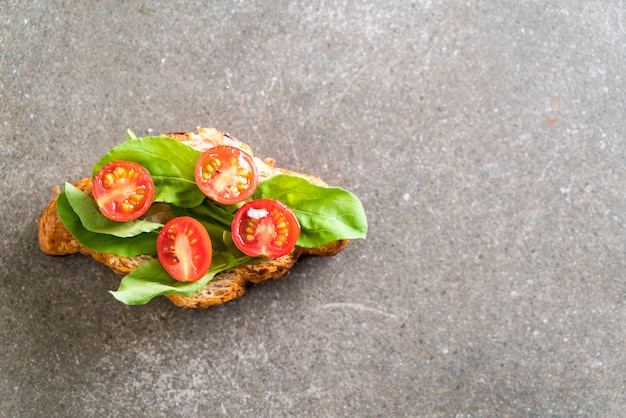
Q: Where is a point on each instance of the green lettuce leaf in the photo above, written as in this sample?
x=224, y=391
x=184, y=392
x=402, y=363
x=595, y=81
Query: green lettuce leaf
x=144, y=243
x=325, y=214
x=93, y=220
x=151, y=280
x=219, y=232
x=170, y=163
x=215, y=213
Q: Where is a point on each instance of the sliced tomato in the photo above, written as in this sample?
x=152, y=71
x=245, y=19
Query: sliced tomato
x=265, y=228
x=184, y=249
x=226, y=174
x=123, y=190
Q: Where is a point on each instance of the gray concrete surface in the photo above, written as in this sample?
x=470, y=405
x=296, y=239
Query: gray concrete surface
x=487, y=141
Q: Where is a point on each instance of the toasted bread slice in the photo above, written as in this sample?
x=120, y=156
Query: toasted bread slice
x=55, y=239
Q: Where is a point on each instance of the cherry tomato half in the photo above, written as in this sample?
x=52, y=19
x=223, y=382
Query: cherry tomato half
x=184, y=249
x=123, y=190
x=265, y=228
x=226, y=174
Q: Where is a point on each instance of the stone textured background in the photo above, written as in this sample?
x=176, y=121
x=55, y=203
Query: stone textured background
x=487, y=141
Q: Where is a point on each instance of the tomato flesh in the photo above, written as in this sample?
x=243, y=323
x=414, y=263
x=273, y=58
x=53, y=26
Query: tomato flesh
x=265, y=228
x=226, y=174
x=184, y=249
x=123, y=190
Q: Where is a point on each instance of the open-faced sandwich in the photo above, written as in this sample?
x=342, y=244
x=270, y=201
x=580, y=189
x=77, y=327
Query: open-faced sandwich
x=197, y=218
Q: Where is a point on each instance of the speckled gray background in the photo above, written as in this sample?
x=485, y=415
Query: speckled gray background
x=487, y=141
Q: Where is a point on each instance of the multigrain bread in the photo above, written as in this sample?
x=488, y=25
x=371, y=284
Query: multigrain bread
x=55, y=239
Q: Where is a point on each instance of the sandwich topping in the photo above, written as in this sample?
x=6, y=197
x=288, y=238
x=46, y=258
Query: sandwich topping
x=184, y=249
x=265, y=228
x=220, y=214
x=226, y=174
x=123, y=190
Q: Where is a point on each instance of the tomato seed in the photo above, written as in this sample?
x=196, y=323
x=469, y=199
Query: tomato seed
x=126, y=207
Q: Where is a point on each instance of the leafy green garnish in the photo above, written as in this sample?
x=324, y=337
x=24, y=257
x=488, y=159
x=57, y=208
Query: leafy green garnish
x=93, y=220
x=151, y=280
x=325, y=214
x=215, y=212
x=219, y=231
x=144, y=243
x=170, y=164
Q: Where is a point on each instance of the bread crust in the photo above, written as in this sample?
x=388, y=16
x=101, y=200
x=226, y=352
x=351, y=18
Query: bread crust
x=55, y=239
